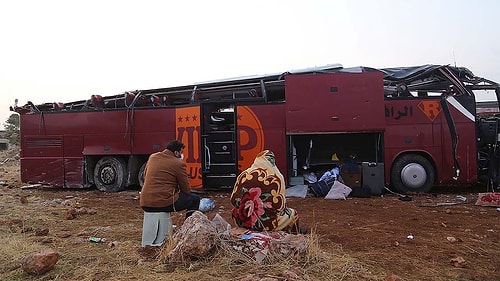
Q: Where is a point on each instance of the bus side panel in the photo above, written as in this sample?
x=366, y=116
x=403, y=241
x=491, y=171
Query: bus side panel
x=88, y=122
x=107, y=144
x=73, y=161
x=338, y=102
x=413, y=125
x=262, y=127
x=73, y=172
x=184, y=124
x=42, y=160
x=420, y=125
x=153, y=129
x=106, y=132
x=48, y=171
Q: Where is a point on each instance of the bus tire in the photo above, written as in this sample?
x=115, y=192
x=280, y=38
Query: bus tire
x=140, y=175
x=110, y=174
x=412, y=173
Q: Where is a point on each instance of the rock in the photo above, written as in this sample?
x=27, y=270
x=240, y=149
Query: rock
x=40, y=262
x=47, y=240
x=458, y=262
x=62, y=234
x=73, y=202
x=26, y=229
x=81, y=211
x=392, y=277
x=41, y=231
x=195, y=239
x=70, y=214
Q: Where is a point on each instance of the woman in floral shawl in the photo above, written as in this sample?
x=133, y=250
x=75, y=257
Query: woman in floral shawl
x=258, y=197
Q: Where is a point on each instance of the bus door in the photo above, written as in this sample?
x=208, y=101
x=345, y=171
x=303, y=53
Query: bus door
x=219, y=145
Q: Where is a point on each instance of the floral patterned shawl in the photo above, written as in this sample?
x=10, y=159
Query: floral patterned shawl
x=258, y=197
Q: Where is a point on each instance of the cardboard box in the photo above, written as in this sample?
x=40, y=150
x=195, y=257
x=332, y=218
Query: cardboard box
x=351, y=179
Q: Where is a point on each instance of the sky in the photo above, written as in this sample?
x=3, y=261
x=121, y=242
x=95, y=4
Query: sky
x=63, y=51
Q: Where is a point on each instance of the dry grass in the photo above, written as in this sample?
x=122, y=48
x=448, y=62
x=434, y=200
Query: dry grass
x=22, y=212
x=83, y=260
x=230, y=264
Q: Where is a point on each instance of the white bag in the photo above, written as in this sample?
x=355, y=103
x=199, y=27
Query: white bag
x=338, y=191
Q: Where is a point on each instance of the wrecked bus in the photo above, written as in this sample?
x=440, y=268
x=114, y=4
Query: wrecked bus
x=407, y=127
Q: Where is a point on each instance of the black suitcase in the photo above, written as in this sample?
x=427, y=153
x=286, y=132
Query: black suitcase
x=321, y=188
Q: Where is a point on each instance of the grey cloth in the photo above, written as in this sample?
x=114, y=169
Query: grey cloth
x=299, y=190
x=155, y=228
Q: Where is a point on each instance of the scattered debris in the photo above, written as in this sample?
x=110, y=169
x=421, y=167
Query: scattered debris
x=97, y=239
x=31, y=186
x=405, y=198
x=72, y=202
x=206, y=205
x=8, y=160
x=490, y=199
x=444, y=200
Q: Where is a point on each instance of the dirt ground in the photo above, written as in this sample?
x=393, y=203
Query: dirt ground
x=435, y=236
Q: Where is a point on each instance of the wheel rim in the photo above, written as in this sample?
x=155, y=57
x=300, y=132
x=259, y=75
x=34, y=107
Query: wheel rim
x=108, y=175
x=413, y=175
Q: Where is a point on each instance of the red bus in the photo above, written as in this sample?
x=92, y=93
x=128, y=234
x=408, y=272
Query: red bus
x=416, y=125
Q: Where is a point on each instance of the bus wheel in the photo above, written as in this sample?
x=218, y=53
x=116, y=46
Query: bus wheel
x=110, y=174
x=140, y=176
x=412, y=173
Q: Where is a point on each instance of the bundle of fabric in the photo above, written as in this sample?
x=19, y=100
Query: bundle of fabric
x=258, y=197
